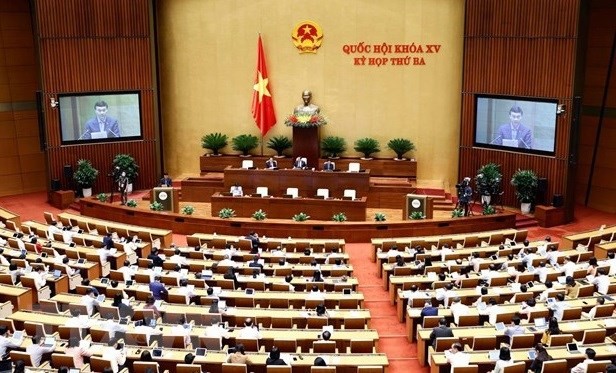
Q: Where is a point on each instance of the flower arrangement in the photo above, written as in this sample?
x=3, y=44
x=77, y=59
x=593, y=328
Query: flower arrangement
x=102, y=197
x=305, y=121
x=417, y=215
x=300, y=217
x=131, y=203
x=226, y=213
x=339, y=217
x=188, y=210
x=259, y=215
x=457, y=213
x=379, y=216
x=156, y=206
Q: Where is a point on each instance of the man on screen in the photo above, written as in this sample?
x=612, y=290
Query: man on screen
x=101, y=125
x=514, y=133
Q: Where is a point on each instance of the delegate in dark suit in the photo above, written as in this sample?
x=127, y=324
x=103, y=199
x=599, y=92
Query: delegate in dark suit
x=166, y=181
x=109, y=125
x=523, y=135
x=441, y=331
x=329, y=166
x=299, y=163
x=271, y=164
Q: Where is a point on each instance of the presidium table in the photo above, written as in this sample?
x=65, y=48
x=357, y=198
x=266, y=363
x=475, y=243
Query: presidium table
x=306, y=181
x=285, y=208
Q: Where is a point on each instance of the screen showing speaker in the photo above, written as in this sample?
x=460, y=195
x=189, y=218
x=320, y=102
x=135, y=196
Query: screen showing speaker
x=99, y=117
x=516, y=124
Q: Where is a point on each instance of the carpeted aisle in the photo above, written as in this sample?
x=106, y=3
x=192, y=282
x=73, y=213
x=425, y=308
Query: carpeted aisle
x=402, y=355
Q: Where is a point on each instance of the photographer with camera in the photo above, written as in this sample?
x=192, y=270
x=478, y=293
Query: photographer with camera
x=465, y=194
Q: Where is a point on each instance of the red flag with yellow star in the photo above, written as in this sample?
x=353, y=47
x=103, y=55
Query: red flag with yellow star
x=262, y=103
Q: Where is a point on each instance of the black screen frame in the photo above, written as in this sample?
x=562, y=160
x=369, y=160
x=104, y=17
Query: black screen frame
x=476, y=144
x=64, y=142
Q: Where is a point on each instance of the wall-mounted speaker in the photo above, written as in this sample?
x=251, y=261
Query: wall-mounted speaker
x=55, y=185
x=542, y=191
x=68, y=172
x=558, y=200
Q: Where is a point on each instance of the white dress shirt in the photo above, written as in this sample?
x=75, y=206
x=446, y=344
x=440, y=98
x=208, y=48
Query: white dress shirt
x=458, y=359
x=36, y=352
x=116, y=357
x=603, y=283
x=249, y=332
x=458, y=309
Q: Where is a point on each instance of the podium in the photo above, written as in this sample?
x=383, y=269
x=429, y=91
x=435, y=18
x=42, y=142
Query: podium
x=417, y=202
x=306, y=143
x=168, y=197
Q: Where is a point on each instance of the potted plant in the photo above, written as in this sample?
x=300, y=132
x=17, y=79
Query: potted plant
x=126, y=163
x=367, y=146
x=245, y=143
x=339, y=217
x=279, y=144
x=457, y=213
x=417, y=215
x=214, y=142
x=188, y=210
x=259, y=215
x=332, y=146
x=488, y=181
x=131, y=203
x=84, y=176
x=379, y=216
x=525, y=184
x=156, y=206
x=102, y=197
x=488, y=210
x=226, y=213
x=302, y=216
x=400, y=147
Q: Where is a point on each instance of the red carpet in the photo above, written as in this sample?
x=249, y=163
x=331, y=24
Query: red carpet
x=393, y=342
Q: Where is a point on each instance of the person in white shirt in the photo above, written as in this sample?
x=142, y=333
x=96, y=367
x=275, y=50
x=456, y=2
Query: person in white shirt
x=39, y=277
x=568, y=267
x=15, y=272
x=544, y=294
x=492, y=310
x=178, y=258
x=104, y=253
x=552, y=255
x=183, y=329
x=411, y=294
x=186, y=291
x=315, y=293
x=542, y=272
x=236, y=190
x=601, y=281
x=7, y=341
x=593, y=311
x=89, y=300
x=583, y=366
x=227, y=262
x=523, y=289
x=456, y=357
x=36, y=350
x=393, y=251
x=475, y=261
x=611, y=261
x=127, y=272
x=559, y=306
x=116, y=354
x=53, y=228
x=112, y=327
x=216, y=330
x=67, y=235
x=504, y=360
x=3, y=260
x=444, y=251
x=458, y=309
x=249, y=330
x=528, y=307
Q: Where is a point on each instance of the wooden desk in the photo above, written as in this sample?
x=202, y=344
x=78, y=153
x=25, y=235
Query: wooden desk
x=285, y=208
x=602, y=249
x=9, y=215
x=549, y=216
x=21, y=297
x=571, y=241
x=307, y=181
x=148, y=234
x=316, y=243
x=61, y=199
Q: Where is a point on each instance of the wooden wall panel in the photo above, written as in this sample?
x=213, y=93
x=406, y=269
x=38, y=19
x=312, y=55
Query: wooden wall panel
x=519, y=48
x=601, y=32
x=94, y=46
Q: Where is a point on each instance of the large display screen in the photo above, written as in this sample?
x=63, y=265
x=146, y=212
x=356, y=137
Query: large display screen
x=99, y=117
x=516, y=124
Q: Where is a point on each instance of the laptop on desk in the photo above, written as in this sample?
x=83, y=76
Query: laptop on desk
x=494, y=355
x=572, y=348
x=49, y=342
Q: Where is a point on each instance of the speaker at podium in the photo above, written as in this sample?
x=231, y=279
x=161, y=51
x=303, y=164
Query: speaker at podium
x=418, y=203
x=168, y=197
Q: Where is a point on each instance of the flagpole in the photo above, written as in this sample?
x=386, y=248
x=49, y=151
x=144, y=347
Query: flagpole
x=261, y=144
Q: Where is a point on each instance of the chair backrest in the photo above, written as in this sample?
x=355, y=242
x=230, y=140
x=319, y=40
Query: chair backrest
x=362, y=346
x=67, y=332
x=523, y=341
x=187, y=368
x=49, y=306
x=234, y=368
x=465, y=369
x=350, y=193
x=573, y=313
x=354, y=167
x=323, y=370
x=324, y=192
x=134, y=338
x=597, y=366
x=293, y=192
x=98, y=364
x=174, y=341
x=593, y=336
x=560, y=340
x=211, y=343
x=354, y=323
x=468, y=320
x=324, y=347
x=519, y=367
x=109, y=312
x=369, y=369
x=554, y=366
x=35, y=329
x=250, y=344
x=60, y=360
x=430, y=321
x=484, y=343
x=444, y=343
x=278, y=369
x=263, y=191
x=604, y=310
x=247, y=163
x=143, y=366
x=20, y=355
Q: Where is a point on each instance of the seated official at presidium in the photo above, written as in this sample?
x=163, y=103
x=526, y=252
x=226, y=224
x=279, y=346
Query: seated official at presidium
x=271, y=164
x=236, y=190
x=101, y=125
x=514, y=133
x=329, y=165
x=165, y=181
x=300, y=163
